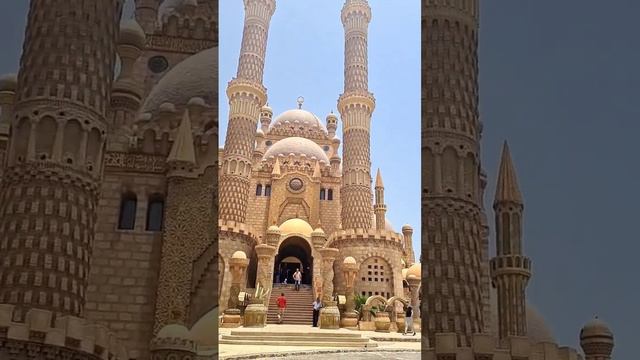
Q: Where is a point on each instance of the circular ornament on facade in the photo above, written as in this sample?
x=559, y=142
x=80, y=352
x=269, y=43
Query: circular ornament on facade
x=158, y=64
x=296, y=184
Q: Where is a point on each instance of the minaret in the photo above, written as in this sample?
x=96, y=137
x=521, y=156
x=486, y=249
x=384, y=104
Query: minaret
x=356, y=105
x=452, y=238
x=51, y=185
x=246, y=95
x=510, y=270
x=596, y=340
x=379, y=208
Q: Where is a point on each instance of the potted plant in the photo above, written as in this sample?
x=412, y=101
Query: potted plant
x=382, y=321
x=255, y=315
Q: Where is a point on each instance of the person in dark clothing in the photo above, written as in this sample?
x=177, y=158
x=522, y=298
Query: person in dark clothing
x=408, y=321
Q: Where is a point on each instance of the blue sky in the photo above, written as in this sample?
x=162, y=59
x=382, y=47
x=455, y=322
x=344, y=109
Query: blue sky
x=305, y=58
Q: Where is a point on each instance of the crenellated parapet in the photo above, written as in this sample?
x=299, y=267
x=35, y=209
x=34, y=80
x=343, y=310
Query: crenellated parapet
x=485, y=347
x=228, y=227
x=44, y=332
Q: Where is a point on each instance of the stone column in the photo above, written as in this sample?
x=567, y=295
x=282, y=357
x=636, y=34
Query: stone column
x=414, y=285
x=350, y=270
x=329, y=314
x=237, y=266
x=266, y=254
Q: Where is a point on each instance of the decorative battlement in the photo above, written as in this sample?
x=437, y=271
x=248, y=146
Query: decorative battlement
x=356, y=99
x=68, y=332
x=240, y=86
x=484, y=346
x=364, y=234
x=295, y=163
x=510, y=264
x=43, y=169
x=237, y=228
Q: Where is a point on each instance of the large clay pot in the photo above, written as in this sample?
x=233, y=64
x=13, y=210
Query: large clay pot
x=255, y=315
x=349, y=320
x=330, y=316
x=400, y=323
x=231, y=318
x=383, y=323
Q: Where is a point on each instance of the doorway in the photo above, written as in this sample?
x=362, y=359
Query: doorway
x=294, y=253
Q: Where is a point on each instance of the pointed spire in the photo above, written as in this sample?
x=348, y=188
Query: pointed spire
x=379, y=182
x=276, y=168
x=507, y=188
x=316, y=172
x=182, y=149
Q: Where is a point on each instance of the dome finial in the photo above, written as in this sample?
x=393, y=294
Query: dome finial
x=300, y=102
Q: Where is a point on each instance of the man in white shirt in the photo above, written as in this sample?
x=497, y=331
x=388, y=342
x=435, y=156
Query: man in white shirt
x=317, y=305
x=297, y=277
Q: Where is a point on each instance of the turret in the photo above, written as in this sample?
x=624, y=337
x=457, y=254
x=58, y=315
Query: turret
x=266, y=114
x=147, y=14
x=510, y=270
x=379, y=209
x=407, y=232
x=596, y=340
x=8, y=84
x=332, y=124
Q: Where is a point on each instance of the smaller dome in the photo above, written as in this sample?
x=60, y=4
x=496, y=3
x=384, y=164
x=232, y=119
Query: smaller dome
x=260, y=133
x=8, y=82
x=239, y=255
x=596, y=328
x=318, y=232
x=406, y=227
x=273, y=229
x=414, y=271
x=349, y=260
x=197, y=101
x=131, y=33
x=296, y=226
x=267, y=108
x=297, y=146
x=332, y=116
x=404, y=273
x=174, y=331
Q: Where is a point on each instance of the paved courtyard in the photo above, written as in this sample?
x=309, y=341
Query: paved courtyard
x=365, y=355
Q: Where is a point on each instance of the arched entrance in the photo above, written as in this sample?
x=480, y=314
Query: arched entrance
x=294, y=253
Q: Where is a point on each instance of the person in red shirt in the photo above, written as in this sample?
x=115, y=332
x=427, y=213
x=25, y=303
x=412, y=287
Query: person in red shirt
x=282, y=305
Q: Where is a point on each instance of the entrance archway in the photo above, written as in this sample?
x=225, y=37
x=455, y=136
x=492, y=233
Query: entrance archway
x=293, y=253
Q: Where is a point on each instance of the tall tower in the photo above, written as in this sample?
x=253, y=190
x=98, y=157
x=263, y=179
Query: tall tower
x=50, y=193
x=510, y=270
x=451, y=162
x=246, y=95
x=356, y=105
x=380, y=209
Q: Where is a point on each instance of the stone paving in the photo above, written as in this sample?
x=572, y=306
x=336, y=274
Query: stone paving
x=395, y=346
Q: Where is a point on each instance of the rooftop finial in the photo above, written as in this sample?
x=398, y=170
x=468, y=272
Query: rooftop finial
x=300, y=102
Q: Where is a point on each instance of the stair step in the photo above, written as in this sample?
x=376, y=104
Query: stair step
x=292, y=334
x=297, y=338
x=299, y=343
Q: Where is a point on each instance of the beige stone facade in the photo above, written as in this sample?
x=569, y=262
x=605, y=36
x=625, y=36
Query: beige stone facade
x=289, y=192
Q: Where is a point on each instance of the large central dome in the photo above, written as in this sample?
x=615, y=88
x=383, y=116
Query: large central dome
x=298, y=122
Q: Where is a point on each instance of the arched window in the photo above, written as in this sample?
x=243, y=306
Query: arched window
x=267, y=190
x=128, y=206
x=155, y=212
x=259, y=190
x=321, y=194
x=330, y=194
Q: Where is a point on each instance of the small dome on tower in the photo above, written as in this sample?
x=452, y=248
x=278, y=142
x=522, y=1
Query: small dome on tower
x=267, y=108
x=8, y=82
x=349, y=260
x=131, y=33
x=239, y=255
x=174, y=331
x=406, y=227
x=596, y=328
x=318, y=232
x=273, y=230
x=259, y=133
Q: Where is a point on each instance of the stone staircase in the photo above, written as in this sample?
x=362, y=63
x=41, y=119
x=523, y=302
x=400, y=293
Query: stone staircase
x=299, y=309
x=281, y=338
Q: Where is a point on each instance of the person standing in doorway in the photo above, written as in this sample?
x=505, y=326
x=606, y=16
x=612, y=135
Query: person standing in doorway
x=408, y=321
x=297, y=277
x=282, y=306
x=317, y=305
